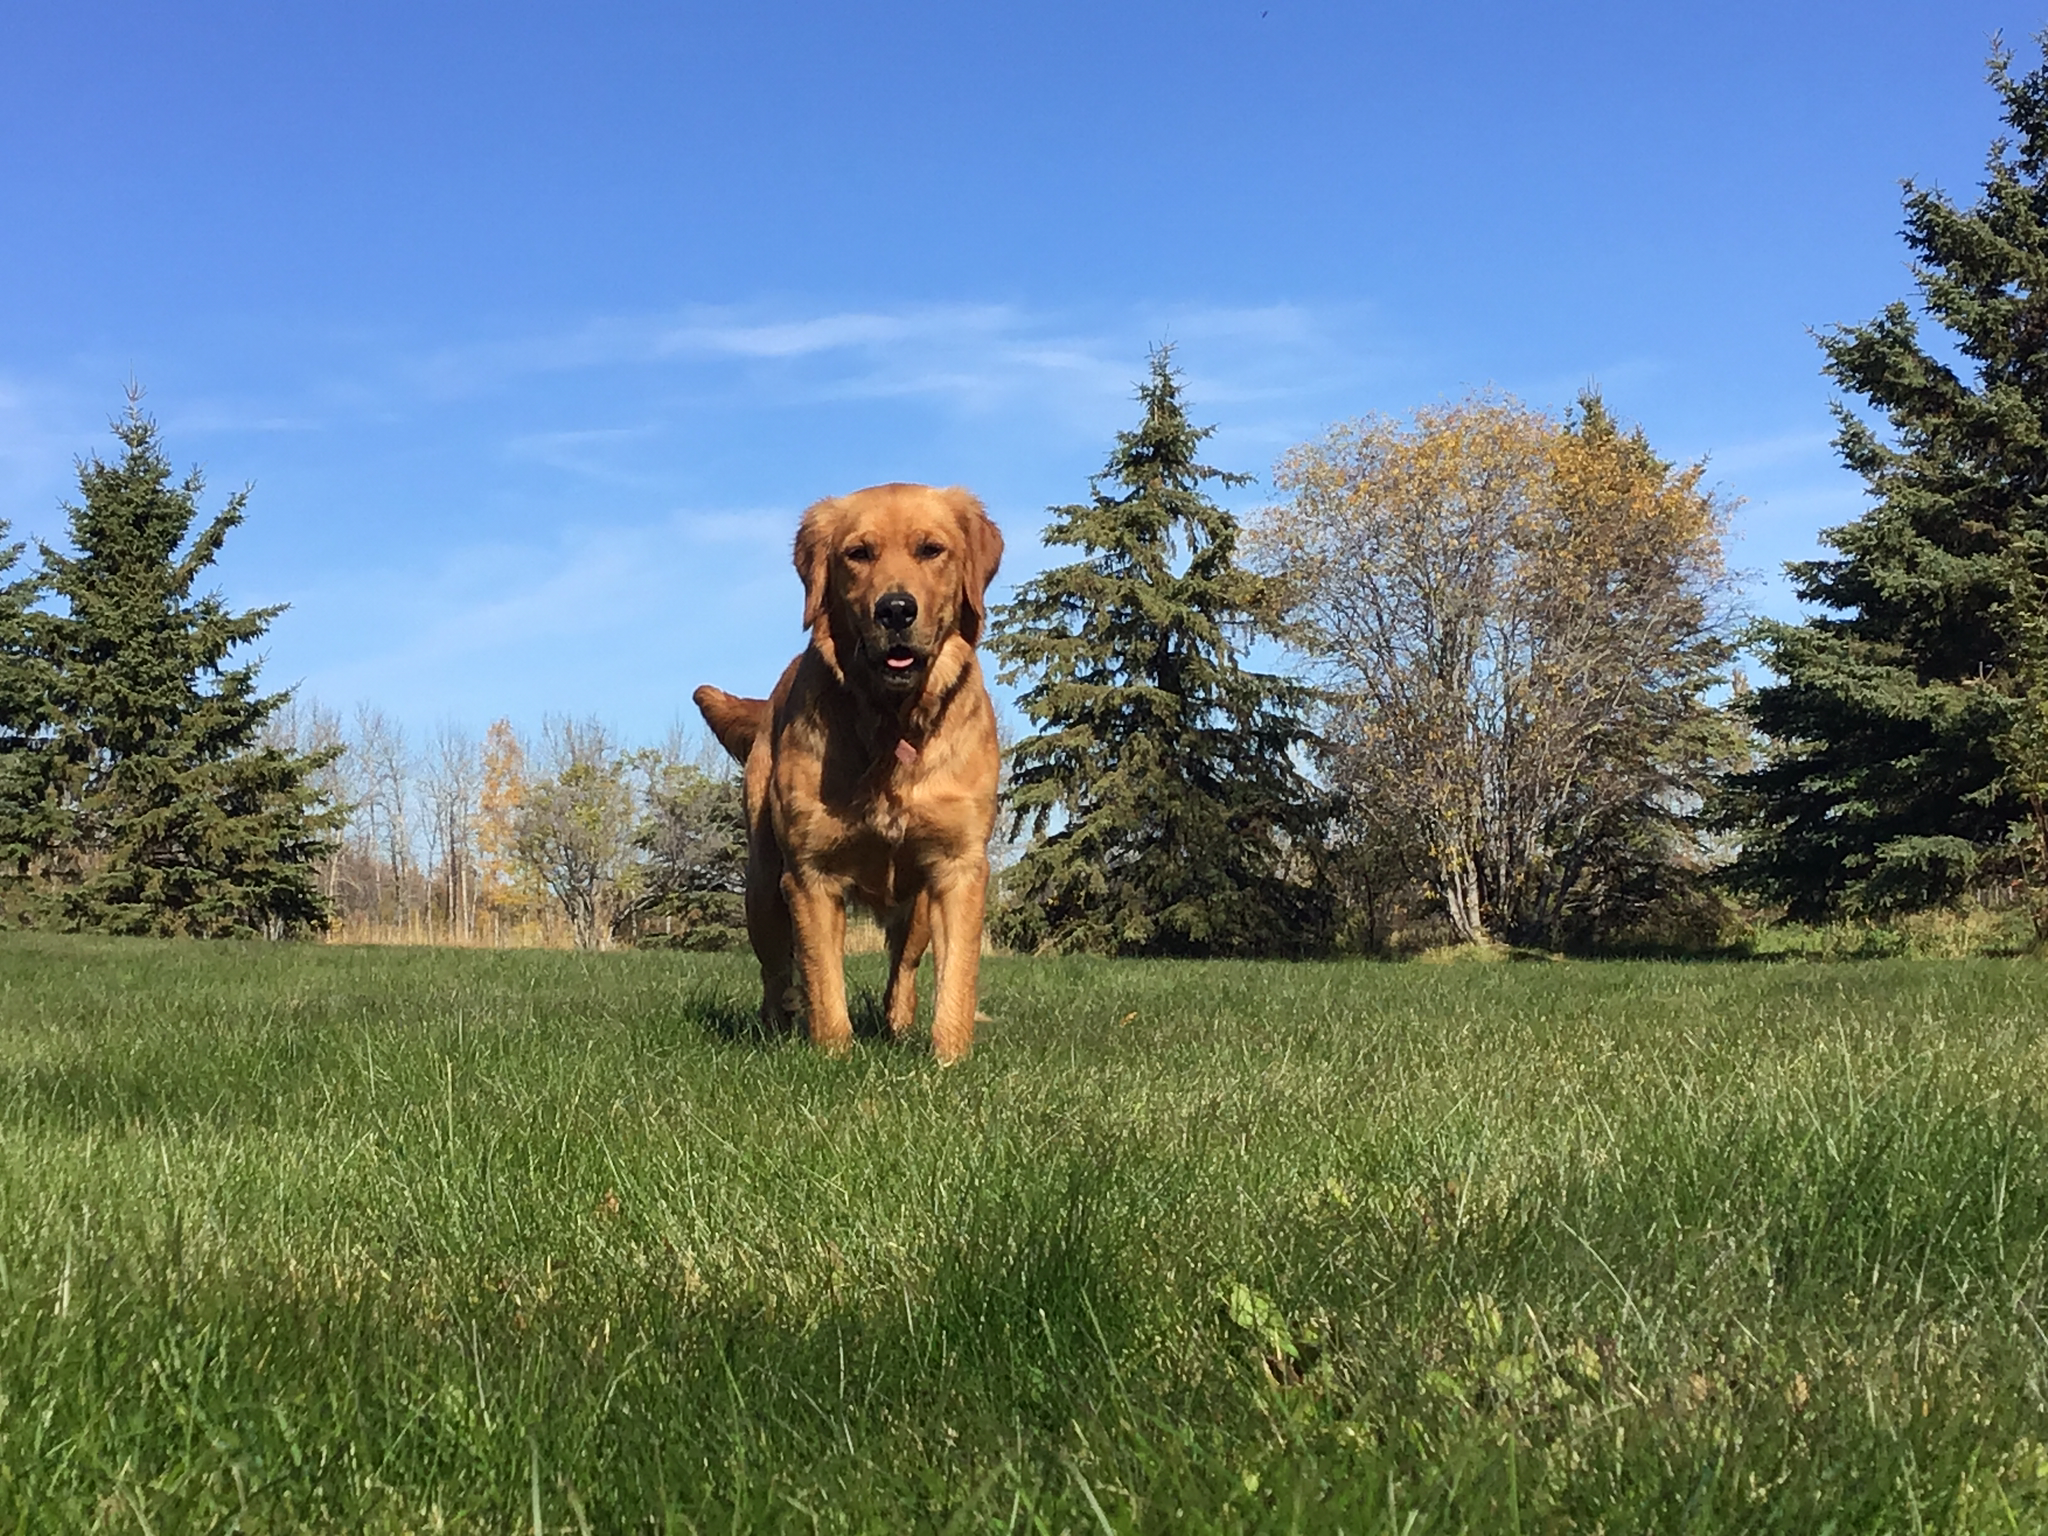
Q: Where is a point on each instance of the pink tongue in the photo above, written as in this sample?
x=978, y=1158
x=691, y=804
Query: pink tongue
x=899, y=662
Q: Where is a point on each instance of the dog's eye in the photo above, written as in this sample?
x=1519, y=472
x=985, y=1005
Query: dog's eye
x=860, y=554
x=930, y=549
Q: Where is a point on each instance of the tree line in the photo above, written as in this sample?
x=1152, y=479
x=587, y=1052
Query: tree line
x=1510, y=625
x=573, y=837
x=149, y=786
x=1467, y=674
x=1524, y=724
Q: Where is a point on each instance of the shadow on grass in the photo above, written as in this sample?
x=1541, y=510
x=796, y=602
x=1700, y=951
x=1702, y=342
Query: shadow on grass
x=870, y=1025
x=732, y=1020
x=725, y=1017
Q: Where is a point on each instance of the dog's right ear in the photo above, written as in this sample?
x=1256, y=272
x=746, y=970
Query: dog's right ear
x=814, y=538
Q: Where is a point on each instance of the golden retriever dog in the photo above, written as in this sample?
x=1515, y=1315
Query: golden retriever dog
x=871, y=769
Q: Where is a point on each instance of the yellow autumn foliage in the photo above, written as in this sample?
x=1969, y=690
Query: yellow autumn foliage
x=1518, y=616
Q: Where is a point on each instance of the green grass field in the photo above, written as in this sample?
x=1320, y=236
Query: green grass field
x=318, y=1238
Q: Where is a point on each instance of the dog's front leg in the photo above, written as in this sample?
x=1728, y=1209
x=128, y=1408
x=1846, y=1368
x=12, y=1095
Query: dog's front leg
x=957, y=910
x=817, y=908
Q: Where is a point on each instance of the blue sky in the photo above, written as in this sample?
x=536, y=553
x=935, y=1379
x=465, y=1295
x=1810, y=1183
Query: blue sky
x=535, y=326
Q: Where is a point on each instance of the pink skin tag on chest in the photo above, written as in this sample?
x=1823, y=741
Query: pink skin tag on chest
x=906, y=754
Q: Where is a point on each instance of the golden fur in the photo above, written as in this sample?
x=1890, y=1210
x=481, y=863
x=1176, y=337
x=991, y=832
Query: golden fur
x=871, y=769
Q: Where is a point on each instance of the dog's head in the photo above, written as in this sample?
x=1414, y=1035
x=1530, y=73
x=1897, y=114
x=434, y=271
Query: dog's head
x=891, y=574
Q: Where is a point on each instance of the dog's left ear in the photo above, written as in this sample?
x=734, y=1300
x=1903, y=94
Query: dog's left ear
x=814, y=564
x=981, y=557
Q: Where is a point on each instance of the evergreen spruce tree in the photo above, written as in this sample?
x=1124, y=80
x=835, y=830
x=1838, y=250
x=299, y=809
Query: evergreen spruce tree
x=25, y=814
x=2023, y=748
x=1883, y=784
x=1166, y=811
x=171, y=818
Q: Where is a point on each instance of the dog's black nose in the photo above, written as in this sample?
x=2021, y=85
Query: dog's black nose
x=895, y=610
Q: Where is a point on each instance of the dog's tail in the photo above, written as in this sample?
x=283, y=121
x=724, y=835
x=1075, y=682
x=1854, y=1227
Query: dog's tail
x=733, y=720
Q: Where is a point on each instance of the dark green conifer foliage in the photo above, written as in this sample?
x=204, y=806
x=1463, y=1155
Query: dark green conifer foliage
x=171, y=818
x=1166, y=812
x=2024, y=747
x=1883, y=786
x=25, y=808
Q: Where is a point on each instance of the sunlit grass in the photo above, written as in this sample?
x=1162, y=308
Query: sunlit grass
x=396, y=1240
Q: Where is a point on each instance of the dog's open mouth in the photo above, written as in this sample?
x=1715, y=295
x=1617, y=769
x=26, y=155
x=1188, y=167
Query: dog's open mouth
x=901, y=661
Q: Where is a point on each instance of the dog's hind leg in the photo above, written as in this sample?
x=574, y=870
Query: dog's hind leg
x=768, y=927
x=910, y=935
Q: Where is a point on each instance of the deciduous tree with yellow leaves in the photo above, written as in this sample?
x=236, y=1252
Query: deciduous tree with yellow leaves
x=506, y=890
x=1518, y=619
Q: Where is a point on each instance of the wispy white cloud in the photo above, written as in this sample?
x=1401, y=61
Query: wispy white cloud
x=969, y=358
x=223, y=418
x=852, y=330
x=560, y=623
x=1773, y=452
x=591, y=452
